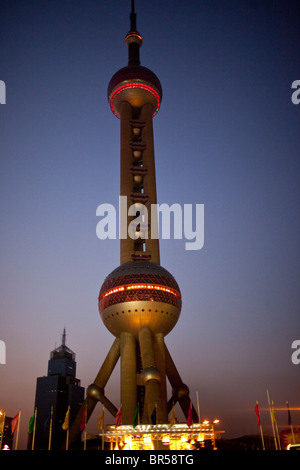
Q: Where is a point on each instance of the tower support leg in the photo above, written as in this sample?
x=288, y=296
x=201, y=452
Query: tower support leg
x=128, y=377
x=150, y=374
x=100, y=382
x=159, y=349
x=180, y=390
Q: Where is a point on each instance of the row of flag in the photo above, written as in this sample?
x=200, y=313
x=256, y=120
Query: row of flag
x=15, y=426
x=274, y=423
x=66, y=423
x=153, y=416
x=272, y=412
x=15, y=422
x=65, y=426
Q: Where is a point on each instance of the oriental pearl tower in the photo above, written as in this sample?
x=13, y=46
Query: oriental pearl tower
x=139, y=301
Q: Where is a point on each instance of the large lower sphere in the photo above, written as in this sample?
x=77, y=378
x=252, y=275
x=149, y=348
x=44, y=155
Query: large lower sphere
x=137, y=294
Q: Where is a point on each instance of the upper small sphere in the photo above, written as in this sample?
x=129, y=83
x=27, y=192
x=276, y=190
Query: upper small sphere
x=136, y=84
x=133, y=36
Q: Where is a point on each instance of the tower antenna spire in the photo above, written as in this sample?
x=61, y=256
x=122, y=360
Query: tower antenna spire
x=132, y=17
x=133, y=39
x=64, y=337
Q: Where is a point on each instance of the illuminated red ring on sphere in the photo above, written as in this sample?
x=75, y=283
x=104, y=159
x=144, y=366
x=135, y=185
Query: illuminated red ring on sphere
x=134, y=77
x=141, y=291
x=134, y=85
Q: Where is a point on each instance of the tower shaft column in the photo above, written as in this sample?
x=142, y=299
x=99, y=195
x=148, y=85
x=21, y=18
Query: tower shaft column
x=126, y=243
x=128, y=377
x=159, y=348
x=150, y=374
x=150, y=181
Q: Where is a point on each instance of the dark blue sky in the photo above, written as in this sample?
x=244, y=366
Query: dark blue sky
x=227, y=136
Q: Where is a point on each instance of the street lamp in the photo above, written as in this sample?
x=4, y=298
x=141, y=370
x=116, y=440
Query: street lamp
x=215, y=421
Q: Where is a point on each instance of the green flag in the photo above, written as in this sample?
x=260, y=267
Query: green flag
x=31, y=424
x=153, y=416
x=136, y=417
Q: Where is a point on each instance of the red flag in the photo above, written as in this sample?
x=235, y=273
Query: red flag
x=83, y=421
x=257, y=414
x=119, y=417
x=14, y=423
x=189, y=420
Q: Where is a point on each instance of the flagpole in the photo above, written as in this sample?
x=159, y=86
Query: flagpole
x=172, y=418
x=198, y=407
x=189, y=420
x=293, y=436
x=261, y=431
x=17, y=437
x=33, y=436
x=276, y=427
x=275, y=440
x=290, y=422
x=3, y=425
x=101, y=421
x=50, y=429
x=68, y=428
x=84, y=445
x=262, y=437
x=157, y=446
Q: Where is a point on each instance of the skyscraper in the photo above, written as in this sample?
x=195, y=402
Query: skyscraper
x=55, y=393
x=140, y=301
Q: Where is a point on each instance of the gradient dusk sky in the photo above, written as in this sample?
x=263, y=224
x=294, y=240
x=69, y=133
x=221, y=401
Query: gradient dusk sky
x=227, y=136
